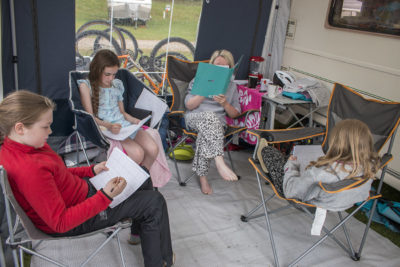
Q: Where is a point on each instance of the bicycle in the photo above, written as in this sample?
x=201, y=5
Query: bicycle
x=142, y=74
x=150, y=69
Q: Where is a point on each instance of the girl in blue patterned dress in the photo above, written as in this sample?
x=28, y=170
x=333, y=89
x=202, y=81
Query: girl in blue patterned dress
x=101, y=95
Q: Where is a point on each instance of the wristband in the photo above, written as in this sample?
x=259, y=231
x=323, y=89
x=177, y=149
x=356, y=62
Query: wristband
x=93, y=170
x=110, y=198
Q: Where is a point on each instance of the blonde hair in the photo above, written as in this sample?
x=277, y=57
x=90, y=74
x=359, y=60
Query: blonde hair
x=225, y=54
x=103, y=58
x=22, y=106
x=351, y=143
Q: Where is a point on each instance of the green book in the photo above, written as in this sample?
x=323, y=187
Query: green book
x=212, y=79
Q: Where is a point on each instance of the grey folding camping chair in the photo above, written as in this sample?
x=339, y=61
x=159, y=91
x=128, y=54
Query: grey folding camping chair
x=85, y=126
x=179, y=73
x=381, y=117
x=24, y=232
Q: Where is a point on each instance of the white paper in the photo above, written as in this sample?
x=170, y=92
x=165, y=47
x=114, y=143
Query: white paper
x=149, y=101
x=125, y=132
x=319, y=220
x=120, y=165
x=307, y=153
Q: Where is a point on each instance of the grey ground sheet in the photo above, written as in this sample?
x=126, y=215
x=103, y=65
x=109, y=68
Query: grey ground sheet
x=207, y=230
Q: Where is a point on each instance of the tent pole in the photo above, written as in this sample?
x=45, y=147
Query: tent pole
x=269, y=38
x=14, y=44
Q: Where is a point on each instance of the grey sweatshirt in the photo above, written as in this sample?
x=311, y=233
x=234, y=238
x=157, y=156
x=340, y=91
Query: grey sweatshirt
x=296, y=185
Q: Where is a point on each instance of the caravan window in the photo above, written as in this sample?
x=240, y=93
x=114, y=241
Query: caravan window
x=377, y=16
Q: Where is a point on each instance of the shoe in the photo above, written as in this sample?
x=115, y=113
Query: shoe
x=173, y=260
x=134, y=240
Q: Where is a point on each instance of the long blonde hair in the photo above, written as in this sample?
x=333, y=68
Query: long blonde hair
x=225, y=54
x=103, y=58
x=22, y=106
x=351, y=143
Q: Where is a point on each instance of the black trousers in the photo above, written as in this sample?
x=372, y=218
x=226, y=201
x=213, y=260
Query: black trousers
x=148, y=210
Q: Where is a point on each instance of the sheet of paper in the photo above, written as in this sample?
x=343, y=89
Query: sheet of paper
x=307, y=153
x=120, y=165
x=125, y=132
x=148, y=100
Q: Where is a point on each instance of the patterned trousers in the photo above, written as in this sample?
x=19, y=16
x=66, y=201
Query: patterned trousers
x=210, y=139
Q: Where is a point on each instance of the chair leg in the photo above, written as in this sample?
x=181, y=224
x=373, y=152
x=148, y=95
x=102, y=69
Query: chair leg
x=230, y=158
x=23, y=249
x=367, y=226
x=346, y=233
x=271, y=237
x=21, y=258
x=101, y=246
x=83, y=149
x=174, y=159
x=371, y=214
x=15, y=257
x=120, y=250
x=248, y=217
x=330, y=234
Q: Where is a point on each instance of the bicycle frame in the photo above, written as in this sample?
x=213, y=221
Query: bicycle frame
x=155, y=86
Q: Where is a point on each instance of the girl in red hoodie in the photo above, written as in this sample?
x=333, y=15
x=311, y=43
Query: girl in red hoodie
x=61, y=201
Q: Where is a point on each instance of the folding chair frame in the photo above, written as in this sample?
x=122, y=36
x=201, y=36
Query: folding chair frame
x=177, y=114
x=273, y=137
x=20, y=239
x=193, y=135
x=84, y=122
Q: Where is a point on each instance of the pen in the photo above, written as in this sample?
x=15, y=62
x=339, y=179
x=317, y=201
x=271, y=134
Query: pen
x=116, y=183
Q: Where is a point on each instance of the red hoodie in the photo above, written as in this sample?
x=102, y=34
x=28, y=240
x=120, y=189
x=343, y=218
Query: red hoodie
x=52, y=195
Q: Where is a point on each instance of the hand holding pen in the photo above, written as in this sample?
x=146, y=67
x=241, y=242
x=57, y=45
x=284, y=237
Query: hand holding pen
x=115, y=128
x=115, y=186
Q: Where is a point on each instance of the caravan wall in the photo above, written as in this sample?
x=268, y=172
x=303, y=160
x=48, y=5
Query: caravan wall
x=363, y=61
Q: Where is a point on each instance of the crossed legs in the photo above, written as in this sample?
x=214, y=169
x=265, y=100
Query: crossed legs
x=209, y=145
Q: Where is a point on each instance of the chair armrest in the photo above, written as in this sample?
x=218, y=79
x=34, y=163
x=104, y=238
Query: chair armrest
x=139, y=113
x=287, y=135
x=246, y=113
x=86, y=125
x=342, y=185
x=176, y=114
x=386, y=158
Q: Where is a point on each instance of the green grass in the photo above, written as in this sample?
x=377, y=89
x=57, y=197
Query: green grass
x=388, y=193
x=184, y=24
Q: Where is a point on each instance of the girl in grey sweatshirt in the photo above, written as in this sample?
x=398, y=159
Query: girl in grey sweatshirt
x=350, y=155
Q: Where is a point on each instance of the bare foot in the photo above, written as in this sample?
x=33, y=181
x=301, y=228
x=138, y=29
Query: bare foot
x=224, y=171
x=205, y=186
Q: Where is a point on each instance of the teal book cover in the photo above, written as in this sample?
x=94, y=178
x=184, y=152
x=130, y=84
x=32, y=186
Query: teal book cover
x=211, y=80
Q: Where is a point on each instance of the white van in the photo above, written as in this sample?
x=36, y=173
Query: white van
x=131, y=10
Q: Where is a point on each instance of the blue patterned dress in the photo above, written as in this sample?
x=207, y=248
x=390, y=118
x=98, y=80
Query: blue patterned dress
x=108, y=103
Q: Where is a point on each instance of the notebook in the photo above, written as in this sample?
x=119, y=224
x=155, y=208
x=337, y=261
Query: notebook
x=119, y=164
x=212, y=79
x=125, y=132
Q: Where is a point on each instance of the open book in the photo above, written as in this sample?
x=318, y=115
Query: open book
x=213, y=79
x=125, y=132
x=120, y=165
x=307, y=153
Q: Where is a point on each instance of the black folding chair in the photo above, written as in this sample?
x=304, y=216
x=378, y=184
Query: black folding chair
x=24, y=232
x=85, y=125
x=382, y=119
x=179, y=74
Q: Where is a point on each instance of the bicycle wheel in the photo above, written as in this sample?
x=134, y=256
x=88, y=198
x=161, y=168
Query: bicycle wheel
x=104, y=25
x=132, y=46
x=89, y=42
x=177, y=46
